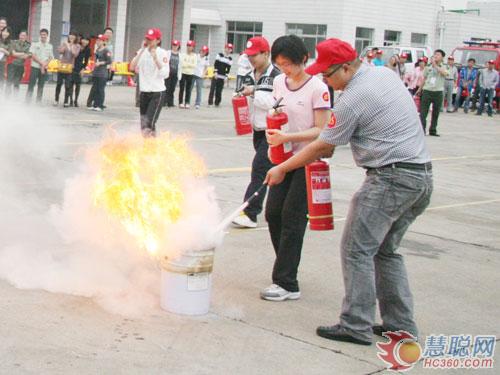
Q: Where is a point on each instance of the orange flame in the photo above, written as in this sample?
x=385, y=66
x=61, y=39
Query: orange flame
x=140, y=182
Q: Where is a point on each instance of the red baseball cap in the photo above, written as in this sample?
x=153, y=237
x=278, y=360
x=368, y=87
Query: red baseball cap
x=404, y=55
x=370, y=54
x=379, y=52
x=330, y=52
x=230, y=46
x=153, y=34
x=491, y=62
x=191, y=43
x=102, y=37
x=257, y=45
x=204, y=48
x=175, y=42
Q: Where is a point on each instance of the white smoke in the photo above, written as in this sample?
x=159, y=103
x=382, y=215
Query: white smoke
x=54, y=239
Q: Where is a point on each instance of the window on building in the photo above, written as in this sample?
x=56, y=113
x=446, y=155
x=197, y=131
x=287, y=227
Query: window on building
x=364, y=38
x=418, y=40
x=391, y=37
x=192, y=32
x=238, y=33
x=88, y=16
x=311, y=34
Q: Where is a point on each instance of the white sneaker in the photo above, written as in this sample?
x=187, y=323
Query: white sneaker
x=56, y=103
x=197, y=107
x=187, y=106
x=182, y=106
x=243, y=221
x=97, y=109
x=276, y=293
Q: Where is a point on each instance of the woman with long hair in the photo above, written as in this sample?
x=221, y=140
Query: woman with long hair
x=5, y=42
x=81, y=61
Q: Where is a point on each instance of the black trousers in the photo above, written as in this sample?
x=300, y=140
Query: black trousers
x=150, y=108
x=170, y=84
x=15, y=74
x=186, y=84
x=76, y=83
x=90, y=98
x=66, y=79
x=286, y=213
x=436, y=99
x=260, y=166
x=36, y=78
x=99, y=86
x=216, y=87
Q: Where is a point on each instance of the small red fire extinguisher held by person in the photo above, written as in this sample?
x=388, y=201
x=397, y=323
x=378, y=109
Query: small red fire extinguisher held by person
x=278, y=120
x=319, y=195
x=241, y=114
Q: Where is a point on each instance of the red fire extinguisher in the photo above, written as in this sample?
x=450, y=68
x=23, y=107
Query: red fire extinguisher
x=319, y=196
x=241, y=115
x=279, y=120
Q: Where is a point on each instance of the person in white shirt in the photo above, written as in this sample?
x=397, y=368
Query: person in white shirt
x=189, y=61
x=199, y=74
x=153, y=65
x=244, y=67
x=306, y=101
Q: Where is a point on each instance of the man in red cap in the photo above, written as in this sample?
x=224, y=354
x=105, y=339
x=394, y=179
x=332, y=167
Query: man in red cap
x=450, y=83
x=378, y=58
x=152, y=63
x=222, y=66
x=403, y=58
x=488, y=83
x=175, y=65
x=377, y=116
x=199, y=74
x=369, y=59
x=189, y=61
x=257, y=86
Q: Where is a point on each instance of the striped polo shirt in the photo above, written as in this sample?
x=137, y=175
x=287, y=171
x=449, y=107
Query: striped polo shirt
x=378, y=117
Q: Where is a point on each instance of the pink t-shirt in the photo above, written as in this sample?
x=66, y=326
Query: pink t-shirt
x=300, y=104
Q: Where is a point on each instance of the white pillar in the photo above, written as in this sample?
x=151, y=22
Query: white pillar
x=118, y=22
x=45, y=15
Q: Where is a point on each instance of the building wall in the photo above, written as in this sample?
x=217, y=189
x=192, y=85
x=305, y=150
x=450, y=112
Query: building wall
x=341, y=17
x=460, y=27
x=486, y=9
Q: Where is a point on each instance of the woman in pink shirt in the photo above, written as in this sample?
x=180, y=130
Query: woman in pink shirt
x=415, y=80
x=306, y=101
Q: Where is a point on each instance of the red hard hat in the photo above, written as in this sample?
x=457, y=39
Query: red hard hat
x=175, y=42
x=204, y=48
x=191, y=43
x=153, y=34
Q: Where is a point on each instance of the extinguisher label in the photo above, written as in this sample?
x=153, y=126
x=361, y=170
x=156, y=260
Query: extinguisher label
x=287, y=147
x=244, y=115
x=320, y=187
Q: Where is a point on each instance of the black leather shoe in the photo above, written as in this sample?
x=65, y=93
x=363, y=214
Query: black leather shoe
x=434, y=134
x=338, y=333
x=379, y=329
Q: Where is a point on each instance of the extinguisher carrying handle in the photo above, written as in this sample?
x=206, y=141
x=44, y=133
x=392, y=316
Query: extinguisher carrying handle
x=278, y=104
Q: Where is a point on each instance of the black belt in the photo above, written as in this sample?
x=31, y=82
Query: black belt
x=420, y=167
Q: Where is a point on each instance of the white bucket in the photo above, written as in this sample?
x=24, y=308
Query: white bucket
x=186, y=283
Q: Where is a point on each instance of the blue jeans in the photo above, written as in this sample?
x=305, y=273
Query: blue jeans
x=380, y=213
x=198, y=82
x=491, y=96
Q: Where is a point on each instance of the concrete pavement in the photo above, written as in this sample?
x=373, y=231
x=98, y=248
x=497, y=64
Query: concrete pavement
x=452, y=254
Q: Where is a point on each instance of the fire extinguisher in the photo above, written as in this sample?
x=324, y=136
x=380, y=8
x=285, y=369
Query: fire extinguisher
x=279, y=120
x=241, y=115
x=319, y=196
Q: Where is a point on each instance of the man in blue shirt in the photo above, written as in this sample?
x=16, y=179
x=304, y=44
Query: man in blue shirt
x=377, y=61
x=467, y=80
